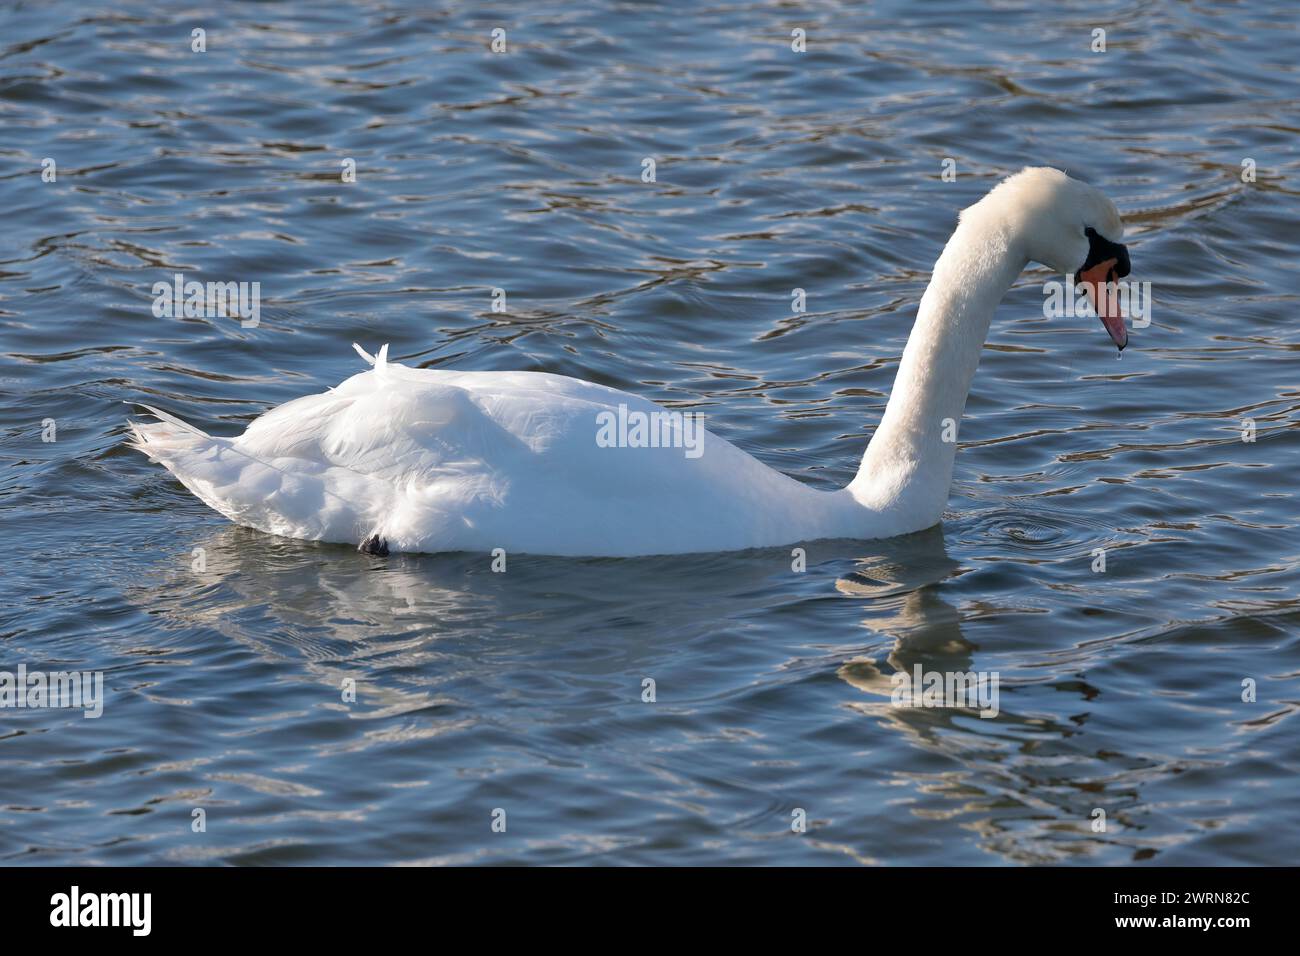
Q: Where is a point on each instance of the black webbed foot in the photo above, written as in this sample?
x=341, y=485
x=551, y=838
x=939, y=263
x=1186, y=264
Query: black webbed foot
x=374, y=545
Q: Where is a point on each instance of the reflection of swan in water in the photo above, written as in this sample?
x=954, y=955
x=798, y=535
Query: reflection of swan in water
x=1025, y=781
x=312, y=603
x=900, y=588
x=311, y=606
x=416, y=624
x=442, y=647
x=901, y=585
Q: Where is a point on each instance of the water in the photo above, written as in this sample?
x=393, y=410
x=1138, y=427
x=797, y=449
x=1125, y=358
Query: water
x=1120, y=691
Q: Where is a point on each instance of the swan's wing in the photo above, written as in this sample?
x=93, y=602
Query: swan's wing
x=391, y=428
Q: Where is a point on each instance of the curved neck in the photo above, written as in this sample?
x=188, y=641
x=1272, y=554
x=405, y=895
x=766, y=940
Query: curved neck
x=909, y=462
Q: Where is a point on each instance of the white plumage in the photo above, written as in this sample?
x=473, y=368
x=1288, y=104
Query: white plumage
x=436, y=460
x=471, y=461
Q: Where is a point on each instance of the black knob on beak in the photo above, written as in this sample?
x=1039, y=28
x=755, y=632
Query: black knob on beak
x=1100, y=249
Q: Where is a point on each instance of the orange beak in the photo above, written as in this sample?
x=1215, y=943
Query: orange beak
x=1100, y=283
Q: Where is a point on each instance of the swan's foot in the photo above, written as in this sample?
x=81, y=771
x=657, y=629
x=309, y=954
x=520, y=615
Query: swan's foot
x=374, y=545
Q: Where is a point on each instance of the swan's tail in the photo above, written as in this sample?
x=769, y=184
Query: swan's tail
x=247, y=489
x=145, y=436
x=228, y=480
x=168, y=439
x=189, y=453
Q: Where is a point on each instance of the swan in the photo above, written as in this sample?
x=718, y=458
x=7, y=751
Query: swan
x=427, y=460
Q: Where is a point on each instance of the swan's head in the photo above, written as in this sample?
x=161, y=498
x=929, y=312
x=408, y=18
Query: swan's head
x=1071, y=228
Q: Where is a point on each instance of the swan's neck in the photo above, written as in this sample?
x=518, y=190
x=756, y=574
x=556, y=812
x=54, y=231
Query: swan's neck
x=908, y=465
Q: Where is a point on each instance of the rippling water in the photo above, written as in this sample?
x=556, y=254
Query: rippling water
x=1120, y=691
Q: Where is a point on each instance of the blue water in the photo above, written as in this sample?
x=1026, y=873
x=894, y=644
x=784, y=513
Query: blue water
x=476, y=691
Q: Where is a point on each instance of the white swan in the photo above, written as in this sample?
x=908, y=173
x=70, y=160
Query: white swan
x=431, y=460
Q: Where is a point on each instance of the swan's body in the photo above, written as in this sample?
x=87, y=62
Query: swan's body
x=433, y=460
x=473, y=461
